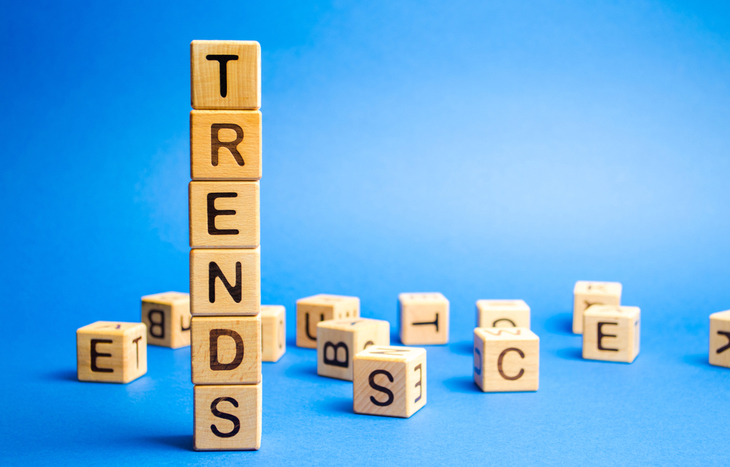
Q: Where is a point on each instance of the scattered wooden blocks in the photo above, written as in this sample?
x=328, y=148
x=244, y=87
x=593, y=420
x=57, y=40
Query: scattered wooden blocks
x=109, y=351
x=339, y=340
x=227, y=417
x=506, y=360
x=225, y=75
x=611, y=333
x=273, y=332
x=503, y=314
x=167, y=317
x=424, y=318
x=720, y=338
x=224, y=214
x=226, y=350
x=389, y=381
x=312, y=310
x=587, y=293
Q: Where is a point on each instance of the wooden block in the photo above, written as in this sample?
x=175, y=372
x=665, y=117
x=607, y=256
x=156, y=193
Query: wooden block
x=587, y=293
x=225, y=282
x=506, y=360
x=111, y=351
x=503, y=314
x=224, y=214
x=225, y=145
x=720, y=338
x=227, y=418
x=273, y=332
x=611, y=333
x=226, y=350
x=389, y=381
x=225, y=75
x=339, y=340
x=424, y=318
x=311, y=310
x=167, y=317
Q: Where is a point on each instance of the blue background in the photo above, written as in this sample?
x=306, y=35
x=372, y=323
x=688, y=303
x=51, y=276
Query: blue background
x=479, y=149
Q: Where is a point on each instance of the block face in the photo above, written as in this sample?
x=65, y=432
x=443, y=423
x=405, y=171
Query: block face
x=312, y=310
x=720, y=339
x=503, y=314
x=273, y=332
x=339, y=340
x=226, y=349
x=389, y=381
x=167, y=317
x=224, y=214
x=227, y=418
x=424, y=318
x=506, y=360
x=110, y=351
x=225, y=145
x=611, y=333
x=587, y=293
x=225, y=282
x=225, y=75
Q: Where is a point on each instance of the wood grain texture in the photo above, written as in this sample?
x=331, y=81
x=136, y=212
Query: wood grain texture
x=227, y=418
x=224, y=214
x=111, y=351
x=506, y=359
x=206, y=267
x=587, y=293
x=611, y=333
x=720, y=338
x=226, y=350
x=312, y=310
x=167, y=317
x=339, y=340
x=503, y=314
x=242, y=89
x=424, y=318
x=273, y=332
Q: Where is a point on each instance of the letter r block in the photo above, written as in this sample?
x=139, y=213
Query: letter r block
x=273, y=332
x=424, y=318
x=225, y=75
x=611, y=333
x=720, y=339
x=587, y=293
x=225, y=282
x=503, y=314
x=226, y=349
x=312, y=310
x=111, y=351
x=167, y=317
x=227, y=418
x=506, y=360
x=339, y=340
x=224, y=214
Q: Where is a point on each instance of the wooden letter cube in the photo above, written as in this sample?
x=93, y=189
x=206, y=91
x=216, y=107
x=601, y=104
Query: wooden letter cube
x=225, y=75
x=611, y=333
x=312, y=310
x=224, y=214
x=503, y=314
x=506, y=360
x=273, y=332
x=167, y=317
x=424, y=318
x=226, y=349
x=587, y=293
x=339, y=340
x=110, y=351
x=225, y=282
x=720, y=338
x=227, y=418
x=389, y=381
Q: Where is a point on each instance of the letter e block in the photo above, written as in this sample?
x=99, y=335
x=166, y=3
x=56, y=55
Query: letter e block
x=424, y=318
x=224, y=214
x=225, y=75
x=167, y=317
x=273, y=332
x=312, y=310
x=503, y=314
x=226, y=349
x=111, y=351
x=611, y=333
x=587, y=293
x=339, y=340
x=227, y=418
x=506, y=360
x=720, y=338
x=225, y=282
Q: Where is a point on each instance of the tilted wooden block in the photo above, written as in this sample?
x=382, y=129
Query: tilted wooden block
x=339, y=340
x=311, y=310
x=225, y=75
x=503, y=314
x=111, y=351
x=226, y=350
x=611, y=333
x=225, y=282
x=273, y=332
x=424, y=318
x=720, y=338
x=167, y=317
x=224, y=214
x=227, y=418
x=389, y=381
x=506, y=360
x=225, y=145
x=587, y=293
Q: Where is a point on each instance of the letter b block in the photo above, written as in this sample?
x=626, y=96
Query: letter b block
x=506, y=360
x=587, y=293
x=167, y=317
x=114, y=352
x=312, y=310
x=273, y=332
x=227, y=418
x=503, y=314
x=339, y=340
x=611, y=333
x=720, y=338
x=424, y=318
x=226, y=350
x=224, y=214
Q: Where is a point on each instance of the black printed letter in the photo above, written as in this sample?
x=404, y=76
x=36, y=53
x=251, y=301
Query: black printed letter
x=95, y=355
x=213, y=212
x=215, y=365
x=216, y=143
x=499, y=364
x=223, y=61
x=334, y=360
x=159, y=325
x=380, y=388
x=226, y=416
x=215, y=272
x=601, y=335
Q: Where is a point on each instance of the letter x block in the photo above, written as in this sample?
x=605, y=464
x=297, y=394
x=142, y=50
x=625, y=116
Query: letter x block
x=227, y=417
x=424, y=318
x=503, y=314
x=587, y=293
x=389, y=381
x=111, y=351
x=506, y=360
x=273, y=332
x=225, y=281
x=312, y=310
x=720, y=338
x=225, y=74
x=167, y=317
x=339, y=340
x=611, y=333
x=224, y=214
x=226, y=349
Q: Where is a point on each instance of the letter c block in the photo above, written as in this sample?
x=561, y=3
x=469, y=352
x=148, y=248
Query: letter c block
x=506, y=359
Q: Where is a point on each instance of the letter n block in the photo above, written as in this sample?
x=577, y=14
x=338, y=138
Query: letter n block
x=312, y=310
x=227, y=418
x=339, y=340
x=224, y=214
x=506, y=360
x=167, y=317
x=611, y=333
x=503, y=314
x=273, y=332
x=226, y=349
x=225, y=281
x=720, y=339
x=424, y=318
x=110, y=351
x=587, y=293
x=389, y=381
x=225, y=75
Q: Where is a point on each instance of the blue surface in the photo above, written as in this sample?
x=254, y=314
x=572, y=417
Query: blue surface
x=480, y=150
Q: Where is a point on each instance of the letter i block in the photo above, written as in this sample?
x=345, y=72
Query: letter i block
x=273, y=332
x=109, y=351
x=167, y=317
x=225, y=74
x=227, y=418
x=611, y=333
x=506, y=360
x=389, y=381
x=720, y=338
x=424, y=318
x=587, y=293
x=226, y=349
x=312, y=310
x=503, y=314
x=224, y=214
x=339, y=340
x=225, y=282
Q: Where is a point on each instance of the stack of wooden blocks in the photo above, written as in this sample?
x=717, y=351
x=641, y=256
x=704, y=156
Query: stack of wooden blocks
x=225, y=271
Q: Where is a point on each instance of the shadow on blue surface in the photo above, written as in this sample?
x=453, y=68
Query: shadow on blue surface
x=572, y=353
x=184, y=442
x=336, y=405
x=305, y=371
x=462, y=348
x=560, y=324
x=463, y=384
x=62, y=375
x=698, y=359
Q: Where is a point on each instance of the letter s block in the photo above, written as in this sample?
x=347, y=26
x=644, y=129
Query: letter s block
x=587, y=293
x=167, y=317
x=273, y=332
x=226, y=349
x=339, y=340
x=424, y=318
x=227, y=418
x=110, y=351
x=389, y=381
x=611, y=333
x=506, y=360
x=225, y=75
x=503, y=314
x=312, y=310
x=224, y=214
x=720, y=339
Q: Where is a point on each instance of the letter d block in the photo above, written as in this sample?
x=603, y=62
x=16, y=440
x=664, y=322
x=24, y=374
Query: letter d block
x=226, y=350
x=506, y=360
x=167, y=317
x=339, y=340
x=225, y=75
x=224, y=214
x=225, y=282
x=273, y=332
x=720, y=339
x=312, y=310
x=227, y=418
x=611, y=333
x=389, y=381
x=109, y=351
x=503, y=314
x=424, y=318
x=587, y=293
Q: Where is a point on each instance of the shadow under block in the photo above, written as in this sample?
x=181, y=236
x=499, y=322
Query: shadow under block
x=339, y=340
x=167, y=317
x=587, y=293
x=224, y=214
x=312, y=310
x=389, y=381
x=424, y=318
x=225, y=145
x=720, y=339
x=226, y=350
x=503, y=314
x=225, y=282
x=225, y=75
x=273, y=332
x=506, y=360
x=227, y=418
x=110, y=351
x=611, y=333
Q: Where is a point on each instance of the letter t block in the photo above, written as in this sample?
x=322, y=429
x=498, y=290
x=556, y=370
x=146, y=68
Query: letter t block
x=424, y=318
x=611, y=333
x=506, y=360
